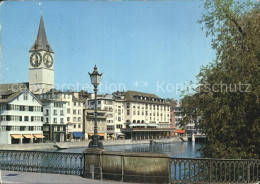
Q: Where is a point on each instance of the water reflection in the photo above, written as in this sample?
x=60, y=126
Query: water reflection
x=175, y=150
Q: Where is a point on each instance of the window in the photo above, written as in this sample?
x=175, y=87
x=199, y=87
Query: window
x=26, y=118
x=61, y=112
x=45, y=128
x=128, y=112
x=26, y=108
x=47, y=120
x=61, y=120
x=79, y=126
x=47, y=112
x=79, y=118
x=54, y=120
x=55, y=112
x=25, y=96
x=79, y=111
x=74, y=111
x=68, y=111
x=133, y=112
x=110, y=127
x=74, y=126
x=55, y=128
x=61, y=128
x=119, y=118
x=127, y=105
x=75, y=103
x=68, y=118
x=119, y=126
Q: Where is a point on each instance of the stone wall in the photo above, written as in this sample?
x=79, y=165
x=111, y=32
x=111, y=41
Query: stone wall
x=36, y=146
x=127, y=167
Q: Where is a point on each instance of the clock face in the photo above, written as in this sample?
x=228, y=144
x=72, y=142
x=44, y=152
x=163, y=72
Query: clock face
x=36, y=59
x=48, y=60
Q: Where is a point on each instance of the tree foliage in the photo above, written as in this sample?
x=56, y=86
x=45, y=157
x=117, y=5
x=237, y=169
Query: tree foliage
x=228, y=95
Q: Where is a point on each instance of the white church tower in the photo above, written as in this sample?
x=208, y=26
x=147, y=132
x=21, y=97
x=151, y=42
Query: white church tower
x=41, y=67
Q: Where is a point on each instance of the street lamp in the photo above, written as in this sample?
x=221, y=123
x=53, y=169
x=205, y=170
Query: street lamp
x=95, y=80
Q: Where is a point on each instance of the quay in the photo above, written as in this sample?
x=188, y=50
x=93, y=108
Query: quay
x=64, y=145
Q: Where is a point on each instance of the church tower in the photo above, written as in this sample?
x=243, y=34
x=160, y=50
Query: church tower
x=41, y=67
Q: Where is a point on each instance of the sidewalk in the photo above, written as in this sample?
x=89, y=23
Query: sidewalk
x=44, y=178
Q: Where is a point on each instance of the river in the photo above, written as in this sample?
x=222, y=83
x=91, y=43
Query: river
x=174, y=150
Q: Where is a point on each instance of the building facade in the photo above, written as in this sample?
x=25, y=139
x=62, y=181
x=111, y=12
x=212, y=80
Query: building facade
x=89, y=122
x=104, y=103
x=21, y=118
x=54, y=127
x=73, y=112
x=147, y=116
x=131, y=110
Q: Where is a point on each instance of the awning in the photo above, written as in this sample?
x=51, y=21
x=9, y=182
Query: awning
x=120, y=134
x=152, y=125
x=38, y=136
x=137, y=124
x=180, y=131
x=77, y=134
x=28, y=136
x=16, y=136
x=100, y=134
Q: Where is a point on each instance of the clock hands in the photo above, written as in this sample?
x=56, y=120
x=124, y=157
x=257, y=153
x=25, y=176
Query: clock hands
x=48, y=60
x=35, y=60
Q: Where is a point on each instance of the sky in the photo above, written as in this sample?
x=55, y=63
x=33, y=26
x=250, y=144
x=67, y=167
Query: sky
x=148, y=46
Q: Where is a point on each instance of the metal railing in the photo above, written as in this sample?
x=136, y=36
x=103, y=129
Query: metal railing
x=185, y=170
x=45, y=162
x=182, y=170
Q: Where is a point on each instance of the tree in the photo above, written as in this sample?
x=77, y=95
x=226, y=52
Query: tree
x=228, y=93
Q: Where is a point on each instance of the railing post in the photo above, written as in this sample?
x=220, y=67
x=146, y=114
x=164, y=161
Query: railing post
x=122, y=165
x=101, y=167
x=248, y=172
x=210, y=170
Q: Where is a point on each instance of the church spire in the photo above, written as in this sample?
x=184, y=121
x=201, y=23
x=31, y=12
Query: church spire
x=41, y=42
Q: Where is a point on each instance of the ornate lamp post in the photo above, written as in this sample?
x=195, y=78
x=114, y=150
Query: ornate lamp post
x=95, y=80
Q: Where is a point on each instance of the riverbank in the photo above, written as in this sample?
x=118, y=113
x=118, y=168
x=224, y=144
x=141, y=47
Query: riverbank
x=55, y=146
